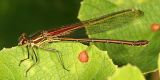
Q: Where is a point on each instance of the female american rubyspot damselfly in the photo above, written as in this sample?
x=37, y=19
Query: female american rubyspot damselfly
x=103, y=23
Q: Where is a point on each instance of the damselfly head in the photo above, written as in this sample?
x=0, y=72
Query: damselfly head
x=23, y=39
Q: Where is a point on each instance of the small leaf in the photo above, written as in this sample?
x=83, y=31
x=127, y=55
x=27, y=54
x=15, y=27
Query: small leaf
x=127, y=72
x=159, y=64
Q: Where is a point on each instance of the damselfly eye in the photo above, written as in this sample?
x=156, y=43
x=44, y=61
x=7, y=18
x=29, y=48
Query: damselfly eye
x=22, y=39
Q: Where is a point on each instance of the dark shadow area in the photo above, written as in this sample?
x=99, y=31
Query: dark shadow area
x=29, y=16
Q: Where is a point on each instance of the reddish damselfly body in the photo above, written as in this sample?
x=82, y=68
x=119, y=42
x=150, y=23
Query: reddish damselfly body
x=103, y=23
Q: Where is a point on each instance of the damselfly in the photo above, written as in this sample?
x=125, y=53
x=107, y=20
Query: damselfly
x=105, y=22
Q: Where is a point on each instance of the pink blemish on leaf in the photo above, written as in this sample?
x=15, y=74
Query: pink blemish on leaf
x=155, y=27
x=83, y=56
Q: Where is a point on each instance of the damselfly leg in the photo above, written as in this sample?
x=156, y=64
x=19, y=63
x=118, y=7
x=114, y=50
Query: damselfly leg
x=28, y=56
x=33, y=56
x=59, y=56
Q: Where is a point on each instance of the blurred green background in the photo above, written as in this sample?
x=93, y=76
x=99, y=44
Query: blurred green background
x=29, y=16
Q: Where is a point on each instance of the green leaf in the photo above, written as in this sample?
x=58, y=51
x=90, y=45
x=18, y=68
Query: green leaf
x=98, y=67
x=140, y=29
x=127, y=72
